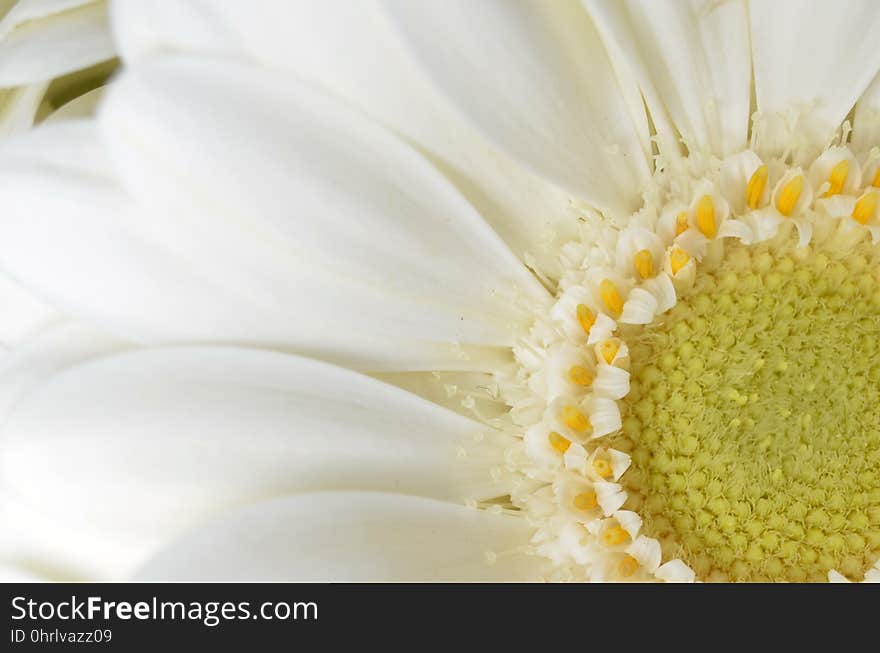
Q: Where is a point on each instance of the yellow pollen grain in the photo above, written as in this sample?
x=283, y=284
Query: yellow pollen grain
x=837, y=178
x=876, y=180
x=585, y=501
x=865, y=207
x=558, y=442
x=611, y=296
x=602, y=467
x=644, y=263
x=706, y=216
x=580, y=375
x=585, y=317
x=755, y=188
x=789, y=195
x=681, y=223
x=575, y=419
x=614, y=536
x=627, y=566
x=678, y=258
x=609, y=350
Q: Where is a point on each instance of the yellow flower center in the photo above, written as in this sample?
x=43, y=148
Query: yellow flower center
x=753, y=418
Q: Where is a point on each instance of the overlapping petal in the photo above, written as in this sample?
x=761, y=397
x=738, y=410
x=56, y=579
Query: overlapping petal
x=154, y=440
x=352, y=536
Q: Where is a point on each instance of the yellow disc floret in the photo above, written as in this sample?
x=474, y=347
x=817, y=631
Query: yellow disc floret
x=611, y=296
x=757, y=184
x=789, y=195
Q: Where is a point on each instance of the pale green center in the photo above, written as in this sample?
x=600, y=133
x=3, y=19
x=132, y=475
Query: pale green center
x=754, y=418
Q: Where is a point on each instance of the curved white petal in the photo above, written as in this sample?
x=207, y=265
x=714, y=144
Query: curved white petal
x=535, y=78
x=866, y=127
x=43, y=40
x=345, y=536
x=813, y=58
x=351, y=49
x=46, y=353
x=692, y=61
x=61, y=549
x=21, y=314
x=83, y=106
x=150, y=441
x=18, y=107
x=250, y=225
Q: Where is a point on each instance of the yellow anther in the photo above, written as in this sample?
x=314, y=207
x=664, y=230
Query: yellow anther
x=611, y=296
x=644, y=263
x=602, y=467
x=609, y=350
x=585, y=501
x=789, y=195
x=678, y=258
x=575, y=419
x=706, y=216
x=837, y=178
x=614, y=536
x=755, y=188
x=580, y=375
x=586, y=318
x=865, y=207
x=627, y=566
x=558, y=442
x=876, y=180
x=681, y=223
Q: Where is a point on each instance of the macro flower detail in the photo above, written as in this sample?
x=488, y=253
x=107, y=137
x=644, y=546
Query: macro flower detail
x=451, y=290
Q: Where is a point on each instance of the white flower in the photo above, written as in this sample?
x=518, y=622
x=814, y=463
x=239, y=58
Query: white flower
x=463, y=201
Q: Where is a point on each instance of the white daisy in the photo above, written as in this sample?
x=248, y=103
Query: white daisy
x=643, y=323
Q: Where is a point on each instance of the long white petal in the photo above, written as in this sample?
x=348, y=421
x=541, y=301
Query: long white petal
x=691, y=59
x=46, y=353
x=535, y=77
x=150, y=441
x=351, y=49
x=254, y=227
x=866, y=128
x=813, y=57
x=37, y=43
x=351, y=536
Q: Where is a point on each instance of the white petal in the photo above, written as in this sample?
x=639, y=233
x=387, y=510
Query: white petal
x=18, y=107
x=392, y=269
x=731, y=228
x=232, y=138
x=611, y=382
x=61, y=549
x=604, y=416
x=40, y=49
x=21, y=314
x=675, y=571
x=640, y=307
x=351, y=49
x=351, y=537
x=837, y=577
x=83, y=106
x=798, y=50
x=647, y=551
x=153, y=440
x=866, y=128
x=536, y=79
x=47, y=352
x=691, y=60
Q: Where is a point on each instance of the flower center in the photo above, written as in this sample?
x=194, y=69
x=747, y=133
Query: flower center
x=753, y=418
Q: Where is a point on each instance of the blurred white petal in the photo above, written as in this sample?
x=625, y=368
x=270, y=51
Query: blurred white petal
x=351, y=536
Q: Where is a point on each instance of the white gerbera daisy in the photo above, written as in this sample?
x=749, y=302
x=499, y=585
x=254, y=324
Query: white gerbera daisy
x=606, y=321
